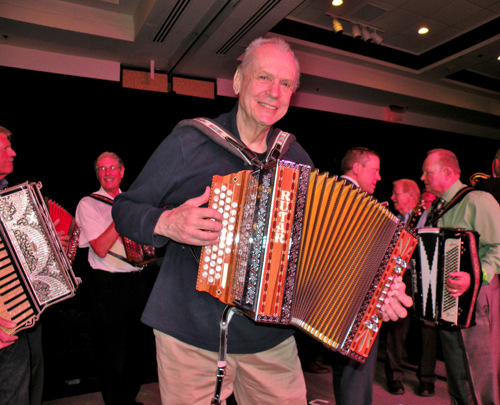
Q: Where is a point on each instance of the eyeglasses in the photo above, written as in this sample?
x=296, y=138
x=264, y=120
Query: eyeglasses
x=102, y=169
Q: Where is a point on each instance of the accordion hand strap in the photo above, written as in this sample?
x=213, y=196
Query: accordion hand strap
x=279, y=143
x=228, y=313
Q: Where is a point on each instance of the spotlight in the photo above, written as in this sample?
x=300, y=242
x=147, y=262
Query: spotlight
x=337, y=26
x=366, y=35
x=356, y=32
x=337, y=2
x=377, y=38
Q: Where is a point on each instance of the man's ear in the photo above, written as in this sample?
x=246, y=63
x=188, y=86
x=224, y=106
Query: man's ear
x=355, y=168
x=237, y=81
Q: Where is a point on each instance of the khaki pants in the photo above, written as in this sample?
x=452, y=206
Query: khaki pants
x=187, y=374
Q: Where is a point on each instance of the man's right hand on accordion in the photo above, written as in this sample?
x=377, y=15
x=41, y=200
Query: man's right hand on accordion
x=396, y=301
x=458, y=283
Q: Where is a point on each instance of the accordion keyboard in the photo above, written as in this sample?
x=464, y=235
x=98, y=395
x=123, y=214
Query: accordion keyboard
x=14, y=303
x=451, y=264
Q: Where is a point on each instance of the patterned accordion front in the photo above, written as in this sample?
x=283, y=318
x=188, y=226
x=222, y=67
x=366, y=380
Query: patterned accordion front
x=441, y=252
x=34, y=267
x=302, y=248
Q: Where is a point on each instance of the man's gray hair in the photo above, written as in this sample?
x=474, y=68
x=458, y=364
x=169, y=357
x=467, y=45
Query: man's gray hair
x=409, y=186
x=108, y=155
x=6, y=132
x=446, y=158
x=283, y=46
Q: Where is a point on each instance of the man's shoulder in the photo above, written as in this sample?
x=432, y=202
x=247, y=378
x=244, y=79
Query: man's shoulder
x=298, y=154
x=91, y=201
x=478, y=196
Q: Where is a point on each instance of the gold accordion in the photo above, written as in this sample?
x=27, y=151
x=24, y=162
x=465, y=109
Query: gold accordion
x=34, y=268
x=302, y=248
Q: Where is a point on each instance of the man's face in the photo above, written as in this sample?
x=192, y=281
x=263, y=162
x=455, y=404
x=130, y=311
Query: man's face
x=266, y=88
x=368, y=174
x=6, y=156
x=433, y=176
x=110, y=174
x=427, y=199
x=403, y=202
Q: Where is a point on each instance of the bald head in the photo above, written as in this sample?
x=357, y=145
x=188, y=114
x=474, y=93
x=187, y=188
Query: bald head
x=440, y=171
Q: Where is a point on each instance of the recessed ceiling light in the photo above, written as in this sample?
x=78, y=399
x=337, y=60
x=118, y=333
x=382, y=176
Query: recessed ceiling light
x=423, y=30
x=337, y=2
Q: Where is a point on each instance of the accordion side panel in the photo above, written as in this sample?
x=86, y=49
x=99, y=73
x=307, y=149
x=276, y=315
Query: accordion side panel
x=275, y=263
x=33, y=249
x=394, y=265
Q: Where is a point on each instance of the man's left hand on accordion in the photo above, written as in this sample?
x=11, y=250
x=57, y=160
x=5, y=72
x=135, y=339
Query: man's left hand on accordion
x=63, y=237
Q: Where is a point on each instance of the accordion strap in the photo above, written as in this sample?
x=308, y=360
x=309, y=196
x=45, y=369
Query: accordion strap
x=459, y=196
x=279, y=143
x=102, y=198
x=109, y=201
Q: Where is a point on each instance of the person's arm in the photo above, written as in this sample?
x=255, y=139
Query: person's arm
x=138, y=214
x=485, y=219
x=105, y=241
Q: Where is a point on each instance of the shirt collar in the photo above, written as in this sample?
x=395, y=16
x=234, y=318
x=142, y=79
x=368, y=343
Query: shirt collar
x=350, y=179
x=105, y=193
x=450, y=193
x=3, y=183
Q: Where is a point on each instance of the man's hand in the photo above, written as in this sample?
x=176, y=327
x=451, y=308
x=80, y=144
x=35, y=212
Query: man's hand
x=190, y=224
x=396, y=301
x=458, y=283
x=5, y=339
x=63, y=238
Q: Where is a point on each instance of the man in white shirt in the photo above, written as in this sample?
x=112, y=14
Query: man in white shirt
x=118, y=288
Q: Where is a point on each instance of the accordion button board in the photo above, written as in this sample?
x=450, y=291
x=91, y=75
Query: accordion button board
x=305, y=249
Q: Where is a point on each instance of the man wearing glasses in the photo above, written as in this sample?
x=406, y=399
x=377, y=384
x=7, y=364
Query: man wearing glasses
x=118, y=288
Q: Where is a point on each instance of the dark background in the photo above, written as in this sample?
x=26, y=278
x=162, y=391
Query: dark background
x=62, y=123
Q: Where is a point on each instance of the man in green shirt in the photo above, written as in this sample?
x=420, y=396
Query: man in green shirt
x=472, y=356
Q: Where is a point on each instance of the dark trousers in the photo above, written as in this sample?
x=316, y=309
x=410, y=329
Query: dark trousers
x=118, y=300
x=395, y=345
x=472, y=356
x=353, y=381
x=21, y=369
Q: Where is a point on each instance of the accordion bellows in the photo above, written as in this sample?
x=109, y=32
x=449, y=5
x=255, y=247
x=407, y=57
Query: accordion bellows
x=34, y=269
x=302, y=248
